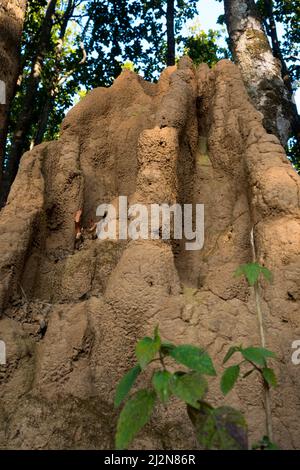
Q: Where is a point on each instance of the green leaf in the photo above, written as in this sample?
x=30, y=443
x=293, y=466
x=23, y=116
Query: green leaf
x=257, y=355
x=230, y=352
x=266, y=273
x=194, y=358
x=252, y=271
x=126, y=384
x=133, y=417
x=219, y=428
x=229, y=378
x=189, y=387
x=269, y=376
x=146, y=350
x=161, y=384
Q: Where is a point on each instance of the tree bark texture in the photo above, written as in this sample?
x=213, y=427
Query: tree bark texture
x=12, y=14
x=260, y=69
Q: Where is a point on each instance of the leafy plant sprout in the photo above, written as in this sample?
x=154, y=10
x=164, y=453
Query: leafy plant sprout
x=252, y=272
x=216, y=428
x=251, y=356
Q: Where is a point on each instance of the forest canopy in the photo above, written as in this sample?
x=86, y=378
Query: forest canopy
x=68, y=47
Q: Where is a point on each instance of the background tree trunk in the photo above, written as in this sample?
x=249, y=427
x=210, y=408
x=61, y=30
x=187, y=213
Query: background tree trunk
x=261, y=70
x=12, y=14
x=170, y=33
x=25, y=117
x=52, y=91
x=270, y=25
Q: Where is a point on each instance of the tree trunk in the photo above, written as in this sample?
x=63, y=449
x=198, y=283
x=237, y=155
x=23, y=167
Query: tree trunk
x=261, y=71
x=52, y=92
x=12, y=16
x=116, y=48
x=272, y=32
x=25, y=117
x=170, y=33
x=43, y=120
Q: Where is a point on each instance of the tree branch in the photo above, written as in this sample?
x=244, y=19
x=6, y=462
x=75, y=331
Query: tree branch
x=63, y=78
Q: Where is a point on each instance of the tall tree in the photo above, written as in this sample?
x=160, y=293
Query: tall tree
x=170, y=33
x=58, y=74
x=114, y=31
x=287, y=50
x=11, y=25
x=271, y=29
x=287, y=47
x=112, y=36
x=203, y=47
x=25, y=116
x=143, y=32
x=261, y=70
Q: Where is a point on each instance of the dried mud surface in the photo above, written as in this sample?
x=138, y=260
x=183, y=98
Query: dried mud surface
x=70, y=318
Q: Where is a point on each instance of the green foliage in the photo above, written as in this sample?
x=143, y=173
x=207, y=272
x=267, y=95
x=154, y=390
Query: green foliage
x=128, y=65
x=146, y=349
x=215, y=427
x=293, y=153
x=252, y=272
x=52, y=69
x=286, y=16
x=229, y=378
x=113, y=33
x=255, y=357
x=194, y=358
x=135, y=414
x=130, y=32
x=219, y=428
x=287, y=13
x=269, y=376
x=126, y=384
x=230, y=352
x=190, y=387
x=203, y=47
x=161, y=383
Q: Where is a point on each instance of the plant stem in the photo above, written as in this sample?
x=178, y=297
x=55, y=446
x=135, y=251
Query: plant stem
x=161, y=358
x=267, y=397
x=259, y=315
